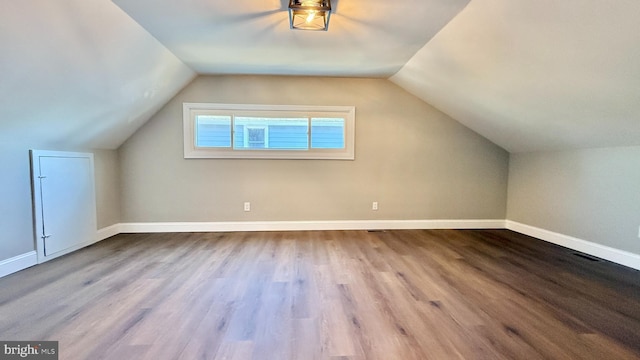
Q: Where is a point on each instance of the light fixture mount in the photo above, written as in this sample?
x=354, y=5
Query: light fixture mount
x=309, y=14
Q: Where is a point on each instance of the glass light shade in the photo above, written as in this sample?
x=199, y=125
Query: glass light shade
x=309, y=14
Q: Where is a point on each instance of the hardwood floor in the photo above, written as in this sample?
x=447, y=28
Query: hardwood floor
x=414, y=294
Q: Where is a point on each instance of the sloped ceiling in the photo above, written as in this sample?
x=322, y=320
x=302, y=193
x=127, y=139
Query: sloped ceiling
x=529, y=75
x=372, y=38
x=79, y=73
x=535, y=75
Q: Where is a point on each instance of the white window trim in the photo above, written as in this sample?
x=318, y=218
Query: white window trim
x=190, y=110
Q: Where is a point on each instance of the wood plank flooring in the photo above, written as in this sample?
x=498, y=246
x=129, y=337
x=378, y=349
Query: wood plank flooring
x=411, y=294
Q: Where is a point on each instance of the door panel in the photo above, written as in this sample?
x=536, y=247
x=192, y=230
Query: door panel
x=64, y=199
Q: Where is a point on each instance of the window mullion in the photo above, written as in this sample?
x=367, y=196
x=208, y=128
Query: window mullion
x=308, y=133
x=233, y=131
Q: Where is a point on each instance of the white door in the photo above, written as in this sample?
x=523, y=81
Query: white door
x=64, y=202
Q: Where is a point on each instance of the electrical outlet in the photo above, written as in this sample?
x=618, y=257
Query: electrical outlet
x=374, y=206
x=247, y=206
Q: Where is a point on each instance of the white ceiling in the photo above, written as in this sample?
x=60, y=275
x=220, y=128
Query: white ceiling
x=372, y=38
x=79, y=74
x=535, y=75
x=529, y=75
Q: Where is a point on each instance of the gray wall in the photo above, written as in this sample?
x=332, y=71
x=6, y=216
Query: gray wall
x=415, y=161
x=107, y=174
x=591, y=194
x=16, y=229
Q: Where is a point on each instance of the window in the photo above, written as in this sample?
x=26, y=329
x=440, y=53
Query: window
x=268, y=131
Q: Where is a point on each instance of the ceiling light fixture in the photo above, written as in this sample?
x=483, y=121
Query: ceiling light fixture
x=309, y=14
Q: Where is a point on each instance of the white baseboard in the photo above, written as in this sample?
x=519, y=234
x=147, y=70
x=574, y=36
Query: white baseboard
x=17, y=263
x=308, y=225
x=622, y=257
x=604, y=252
x=100, y=235
x=23, y=261
x=108, y=232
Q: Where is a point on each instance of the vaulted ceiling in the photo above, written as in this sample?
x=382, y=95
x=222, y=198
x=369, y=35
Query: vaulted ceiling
x=529, y=75
x=535, y=75
x=79, y=74
x=373, y=38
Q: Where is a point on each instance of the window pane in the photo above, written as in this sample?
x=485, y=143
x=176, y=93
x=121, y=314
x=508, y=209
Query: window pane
x=213, y=131
x=327, y=133
x=270, y=133
x=251, y=131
